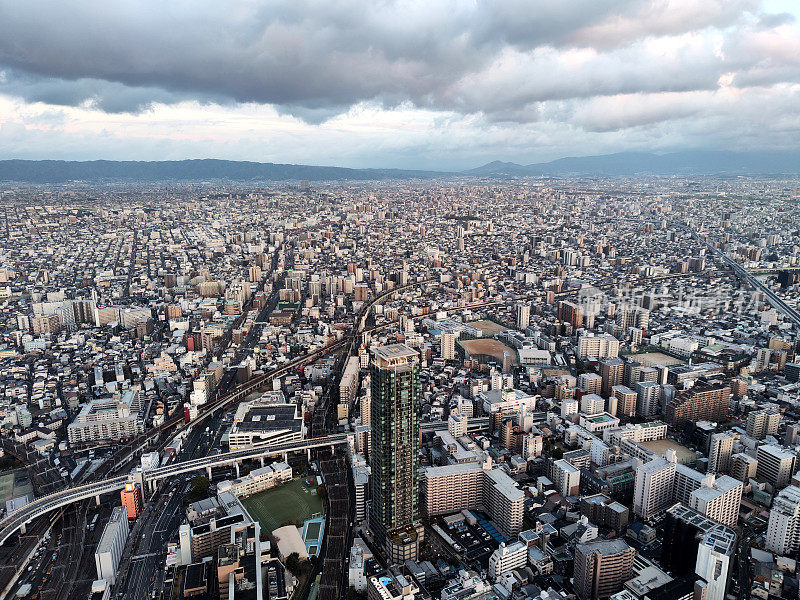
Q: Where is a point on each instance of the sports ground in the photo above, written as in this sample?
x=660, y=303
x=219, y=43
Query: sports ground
x=293, y=501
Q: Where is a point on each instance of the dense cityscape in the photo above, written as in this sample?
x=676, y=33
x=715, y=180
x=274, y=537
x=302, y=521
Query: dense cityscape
x=458, y=388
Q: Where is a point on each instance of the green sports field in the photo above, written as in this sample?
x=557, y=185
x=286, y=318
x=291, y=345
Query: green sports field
x=293, y=501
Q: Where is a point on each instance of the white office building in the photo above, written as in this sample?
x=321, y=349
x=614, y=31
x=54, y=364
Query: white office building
x=111, y=545
x=775, y=465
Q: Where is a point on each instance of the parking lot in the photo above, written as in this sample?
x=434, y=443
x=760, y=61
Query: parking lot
x=476, y=543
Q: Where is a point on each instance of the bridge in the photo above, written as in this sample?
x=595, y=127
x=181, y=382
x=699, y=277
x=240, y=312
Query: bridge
x=44, y=504
x=259, y=452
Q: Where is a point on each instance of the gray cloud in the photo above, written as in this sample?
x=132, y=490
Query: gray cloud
x=532, y=78
x=314, y=59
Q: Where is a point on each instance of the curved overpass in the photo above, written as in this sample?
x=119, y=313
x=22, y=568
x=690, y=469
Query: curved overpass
x=44, y=504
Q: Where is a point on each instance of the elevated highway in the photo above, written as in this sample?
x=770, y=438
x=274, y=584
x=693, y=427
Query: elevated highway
x=227, y=458
x=44, y=504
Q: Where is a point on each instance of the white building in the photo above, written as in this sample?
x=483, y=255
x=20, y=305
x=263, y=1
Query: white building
x=652, y=492
x=457, y=425
x=597, y=346
x=688, y=480
x=775, y=465
x=720, y=502
x=783, y=531
x=258, y=480
x=714, y=560
x=112, y=544
x=103, y=420
x=598, y=422
x=507, y=558
x=591, y=404
x=569, y=406
x=566, y=477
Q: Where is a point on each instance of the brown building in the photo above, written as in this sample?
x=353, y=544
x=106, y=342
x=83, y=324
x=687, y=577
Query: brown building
x=571, y=313
x=281, y=317
x=626, y=401
x=132, y=499
x=361, y=292
x=738, y=387
x=511, y=436
x=612, y=370
x=173, y=311
x=605, y=511
x=601, y=568
x=705, y=401
x=46, y=324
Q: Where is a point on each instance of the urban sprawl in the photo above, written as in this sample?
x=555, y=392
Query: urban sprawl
x=458, y=389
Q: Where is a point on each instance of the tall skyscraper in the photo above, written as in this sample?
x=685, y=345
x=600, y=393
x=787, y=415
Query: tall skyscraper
x=394, y=458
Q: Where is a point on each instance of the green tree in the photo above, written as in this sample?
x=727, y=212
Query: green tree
x=322, y=492
x=199, y=488
x=293, y=564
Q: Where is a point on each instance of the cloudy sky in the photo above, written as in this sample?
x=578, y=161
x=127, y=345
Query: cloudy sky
x=442, y=84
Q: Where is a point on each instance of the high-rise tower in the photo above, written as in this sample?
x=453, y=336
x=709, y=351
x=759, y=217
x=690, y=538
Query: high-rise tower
x=394, y=457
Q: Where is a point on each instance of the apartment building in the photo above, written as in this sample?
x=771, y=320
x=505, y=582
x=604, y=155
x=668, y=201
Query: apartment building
x=602, y=568
x=720, y=449
x=104, y=420
x=783, y=529
x=705, y=401
x=761, y=423
x=652, y=492
x=507, y=558
x=743, y=467
x=591, y=346
x=775, y=465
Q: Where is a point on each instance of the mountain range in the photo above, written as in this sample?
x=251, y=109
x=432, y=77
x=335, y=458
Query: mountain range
x=620, y=164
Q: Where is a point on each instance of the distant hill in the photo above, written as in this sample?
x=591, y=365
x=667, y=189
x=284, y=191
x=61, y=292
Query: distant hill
x=59, y=171
x=634, y=163
x=625, y=163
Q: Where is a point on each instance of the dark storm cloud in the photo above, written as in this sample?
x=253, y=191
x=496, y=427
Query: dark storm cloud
x=316, y=59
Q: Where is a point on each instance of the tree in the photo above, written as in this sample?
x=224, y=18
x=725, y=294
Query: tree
x=293, y=563
x=199, y=488
x=322, y=492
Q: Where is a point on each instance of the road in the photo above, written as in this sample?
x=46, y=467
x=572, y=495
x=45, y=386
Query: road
x=145, y=567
